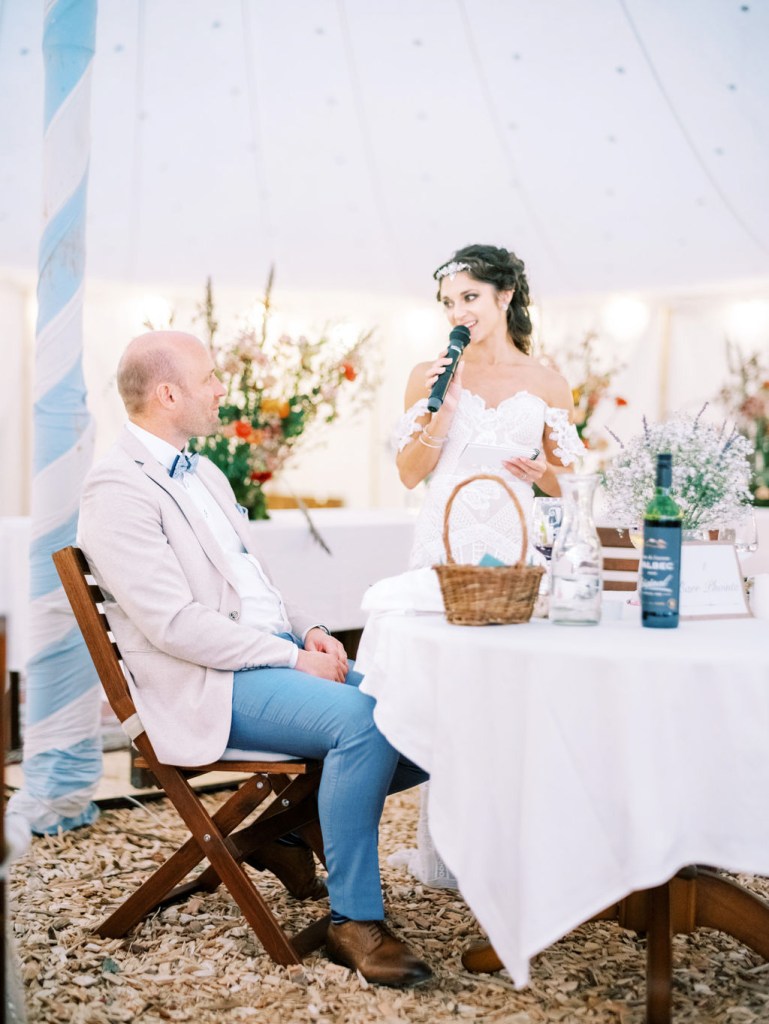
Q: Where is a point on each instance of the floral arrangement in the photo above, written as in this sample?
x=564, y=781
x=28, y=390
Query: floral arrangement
x=590, y=384
x=711, y=472
x=277, y=387
x=745, y=397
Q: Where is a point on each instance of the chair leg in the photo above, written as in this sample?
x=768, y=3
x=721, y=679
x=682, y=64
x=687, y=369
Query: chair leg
x=158, y=890
x=294, y=807
x=301, y=811
x=227, y=867
x=210, y=839
x=311, y=833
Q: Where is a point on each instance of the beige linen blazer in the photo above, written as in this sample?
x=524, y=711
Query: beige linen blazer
x=170, y=599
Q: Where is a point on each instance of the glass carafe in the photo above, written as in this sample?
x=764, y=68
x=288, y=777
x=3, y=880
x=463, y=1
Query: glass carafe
x=576, y=568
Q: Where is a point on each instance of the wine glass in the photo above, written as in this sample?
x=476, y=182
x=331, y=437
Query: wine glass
x=743, y=533
x=636, y=534
x=546, y=516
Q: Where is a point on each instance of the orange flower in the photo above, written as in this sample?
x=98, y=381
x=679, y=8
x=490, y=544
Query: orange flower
x=257, y=436
x=620, y=401
x=243, y=429
x=275, y=407
x=349, y=371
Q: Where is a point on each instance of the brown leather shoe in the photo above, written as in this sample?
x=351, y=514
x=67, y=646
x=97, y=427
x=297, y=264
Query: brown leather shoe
x=481, y=959
x=368, y=947
x=293, y=865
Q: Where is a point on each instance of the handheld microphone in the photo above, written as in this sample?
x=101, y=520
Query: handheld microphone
x=459, y=339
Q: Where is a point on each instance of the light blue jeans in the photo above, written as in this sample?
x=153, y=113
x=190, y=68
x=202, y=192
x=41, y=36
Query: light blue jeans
x=282, y=709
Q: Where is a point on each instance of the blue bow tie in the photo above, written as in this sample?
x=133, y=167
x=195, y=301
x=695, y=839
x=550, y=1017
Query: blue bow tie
x=184, y=463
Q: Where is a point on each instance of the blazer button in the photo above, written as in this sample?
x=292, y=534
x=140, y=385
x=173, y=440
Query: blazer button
x=235, y=615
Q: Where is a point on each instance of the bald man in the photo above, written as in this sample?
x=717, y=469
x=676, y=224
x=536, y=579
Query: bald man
x=219, y=659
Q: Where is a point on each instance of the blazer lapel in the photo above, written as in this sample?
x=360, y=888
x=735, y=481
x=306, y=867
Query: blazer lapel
x=179, y=495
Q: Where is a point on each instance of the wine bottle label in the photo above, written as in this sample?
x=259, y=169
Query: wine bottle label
x=661, y=569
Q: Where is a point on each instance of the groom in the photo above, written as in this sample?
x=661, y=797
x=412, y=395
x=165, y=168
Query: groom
x=219, y=659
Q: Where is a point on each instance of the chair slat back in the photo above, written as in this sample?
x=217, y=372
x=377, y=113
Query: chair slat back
x=620, y=559
x=87, y=603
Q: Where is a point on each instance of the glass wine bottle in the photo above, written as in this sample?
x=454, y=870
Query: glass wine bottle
x=660, y=569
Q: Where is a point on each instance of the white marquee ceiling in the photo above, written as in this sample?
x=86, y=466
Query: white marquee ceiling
x=614, y=144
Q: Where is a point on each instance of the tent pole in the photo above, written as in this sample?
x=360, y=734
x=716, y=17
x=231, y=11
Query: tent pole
x=62, y=741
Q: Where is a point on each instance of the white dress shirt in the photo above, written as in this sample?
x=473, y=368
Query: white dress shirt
x=261, y=604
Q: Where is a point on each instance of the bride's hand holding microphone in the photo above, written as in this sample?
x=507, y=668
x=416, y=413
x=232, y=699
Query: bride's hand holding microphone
x=449, y=403
x=444, y=377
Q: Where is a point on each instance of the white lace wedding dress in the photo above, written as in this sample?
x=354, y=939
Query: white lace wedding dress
x=483, y=521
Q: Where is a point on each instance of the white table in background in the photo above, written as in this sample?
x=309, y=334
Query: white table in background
x=365, y=545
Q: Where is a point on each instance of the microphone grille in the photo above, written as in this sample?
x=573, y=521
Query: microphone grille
x=460, y=335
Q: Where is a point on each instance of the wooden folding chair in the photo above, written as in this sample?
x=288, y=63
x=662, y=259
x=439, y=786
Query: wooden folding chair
x=294, y=784
x=620, y=559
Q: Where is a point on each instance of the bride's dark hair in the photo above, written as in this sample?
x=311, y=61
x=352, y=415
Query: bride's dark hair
x=505, y=271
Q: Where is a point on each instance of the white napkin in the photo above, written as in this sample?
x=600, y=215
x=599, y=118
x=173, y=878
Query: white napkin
x=417, y=590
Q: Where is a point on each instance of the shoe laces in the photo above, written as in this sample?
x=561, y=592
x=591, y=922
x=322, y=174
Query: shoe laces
x=377, y=932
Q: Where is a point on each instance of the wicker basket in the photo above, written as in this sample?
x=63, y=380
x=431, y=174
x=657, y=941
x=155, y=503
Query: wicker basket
x=479, y=595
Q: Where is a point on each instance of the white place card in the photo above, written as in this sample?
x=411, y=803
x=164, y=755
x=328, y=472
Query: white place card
x=711, y=582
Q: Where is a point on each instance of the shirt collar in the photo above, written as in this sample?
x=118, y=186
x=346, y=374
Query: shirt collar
x=163, y=451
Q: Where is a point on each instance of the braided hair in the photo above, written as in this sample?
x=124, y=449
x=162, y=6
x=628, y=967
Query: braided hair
x=506, y=272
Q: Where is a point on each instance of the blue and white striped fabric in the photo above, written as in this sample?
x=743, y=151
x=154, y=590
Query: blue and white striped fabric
x=62, y=743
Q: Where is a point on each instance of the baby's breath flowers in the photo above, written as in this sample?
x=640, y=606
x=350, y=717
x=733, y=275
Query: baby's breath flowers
x=711, y=472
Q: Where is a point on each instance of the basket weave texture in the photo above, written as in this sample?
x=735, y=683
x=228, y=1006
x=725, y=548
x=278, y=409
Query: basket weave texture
x=479, y=595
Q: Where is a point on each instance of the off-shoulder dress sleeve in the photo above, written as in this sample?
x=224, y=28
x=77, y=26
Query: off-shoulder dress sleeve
x=568, y=446
x=406, y=426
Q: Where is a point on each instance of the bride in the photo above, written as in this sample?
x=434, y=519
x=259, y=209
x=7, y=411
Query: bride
x=499, y=396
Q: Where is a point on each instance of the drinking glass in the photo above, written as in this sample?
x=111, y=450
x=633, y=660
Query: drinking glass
x=546, y=516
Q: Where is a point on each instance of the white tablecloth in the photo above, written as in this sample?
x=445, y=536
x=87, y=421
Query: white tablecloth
x=571, y=766
x=365, y=546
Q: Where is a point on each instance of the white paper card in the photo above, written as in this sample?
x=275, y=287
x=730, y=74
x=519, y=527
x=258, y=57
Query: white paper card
x=479, y=456
x=711, y=582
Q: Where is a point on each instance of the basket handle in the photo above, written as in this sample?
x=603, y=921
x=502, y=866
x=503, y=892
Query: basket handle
x=471, y=479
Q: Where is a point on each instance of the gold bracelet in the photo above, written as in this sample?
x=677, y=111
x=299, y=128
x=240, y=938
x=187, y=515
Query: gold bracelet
x=437, y=440
x=427, y=444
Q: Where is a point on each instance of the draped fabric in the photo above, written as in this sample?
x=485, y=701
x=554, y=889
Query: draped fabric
x=62, y=744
